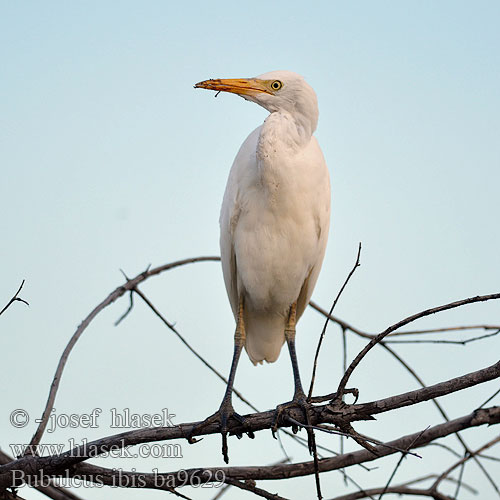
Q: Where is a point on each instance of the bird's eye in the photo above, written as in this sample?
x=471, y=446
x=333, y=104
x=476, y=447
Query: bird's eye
x=276, y=85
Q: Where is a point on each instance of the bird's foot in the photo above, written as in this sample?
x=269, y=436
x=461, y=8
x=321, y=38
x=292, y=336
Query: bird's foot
x=282, y=415
x=222, y=416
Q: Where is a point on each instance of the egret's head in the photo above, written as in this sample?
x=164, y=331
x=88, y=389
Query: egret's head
x=276, y=91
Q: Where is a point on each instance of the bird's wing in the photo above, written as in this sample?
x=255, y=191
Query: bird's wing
x=312, y=277
x=228, y=221
x=322, y=220
x=244, y=162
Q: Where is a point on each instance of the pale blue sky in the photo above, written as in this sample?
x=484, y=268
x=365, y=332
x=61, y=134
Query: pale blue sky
x=110, y=159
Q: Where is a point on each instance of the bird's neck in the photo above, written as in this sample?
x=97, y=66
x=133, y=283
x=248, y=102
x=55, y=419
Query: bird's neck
x=283, y=133
x=281, y=140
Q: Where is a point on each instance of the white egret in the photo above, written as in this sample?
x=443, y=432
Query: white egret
x=274, y=223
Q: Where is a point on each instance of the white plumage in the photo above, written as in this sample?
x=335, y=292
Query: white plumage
x=275, y=215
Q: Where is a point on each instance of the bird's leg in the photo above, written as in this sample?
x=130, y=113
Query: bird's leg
x=299, y=397
x=226, y=410
x=299, y=394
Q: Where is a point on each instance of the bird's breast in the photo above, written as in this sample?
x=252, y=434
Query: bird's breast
x=283, y=207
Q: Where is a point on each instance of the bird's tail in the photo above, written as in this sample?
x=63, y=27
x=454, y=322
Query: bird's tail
x=265, y=335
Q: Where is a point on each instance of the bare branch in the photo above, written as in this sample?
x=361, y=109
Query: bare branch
x=228, y=484
x=321, y=337
x=249, y=486
x=467, y=457
x=433, y=476
x=128, y=310
x=446, y=329
x=399, y=324
x=444, y=341
x=400, y=461
x=419, y=395
x=7, y=495
x=330, y=430
x=398, y=490
x=203, y=475
x=495, y=394
x=436, y=404
x=191, y=349
x=346, y=326
x=445, y=447
x=15, y=298
x=54, y=492
x=204, y=361
x=254, y=422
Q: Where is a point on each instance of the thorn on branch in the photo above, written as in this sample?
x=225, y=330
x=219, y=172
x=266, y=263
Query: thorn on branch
x=124, y=274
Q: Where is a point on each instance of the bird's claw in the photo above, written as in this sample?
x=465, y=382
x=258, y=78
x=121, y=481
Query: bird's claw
x=299, y=401
x=222, y=415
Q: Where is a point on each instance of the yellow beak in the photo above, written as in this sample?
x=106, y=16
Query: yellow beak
x=241, y=86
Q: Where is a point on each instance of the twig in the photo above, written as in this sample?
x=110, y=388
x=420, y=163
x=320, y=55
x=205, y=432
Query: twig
x=488, y=457
x=446, y=329
x=357, y=331
x=15, y=298
x=443, y=341
x=460, y=477
x=317, y=480
x=399, y=490
x=303, y=441
x=222, y=491
x=329, y=430
x=361, y=333
x=313, y=376
x=400, y=461
x=433, y=476
x=191, y=349
x=496, y=393
x=206, y=363
x=224, y=488
x=347, y=326
x=344, y=368
x=248, y=486
x=437, y=405
x=51, y=491
x=128, y=310
x=399, y=324
x=489, y=444
x=447, y=448
x=8, y=495
x=419, y=395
